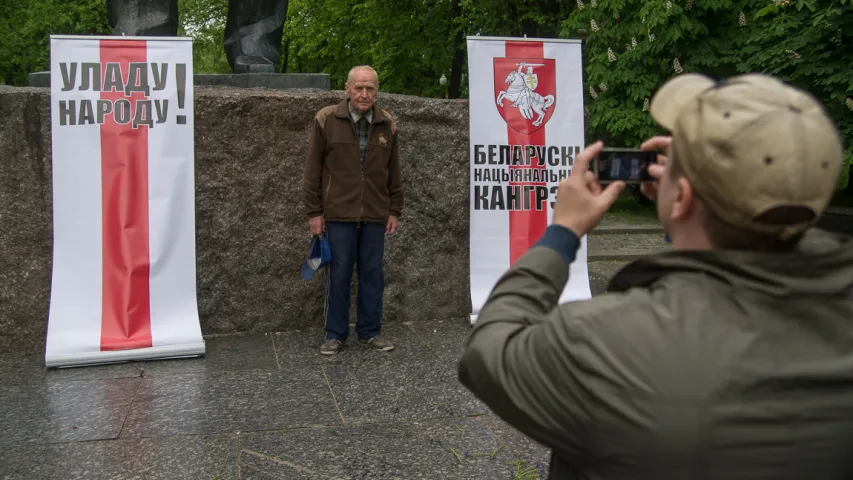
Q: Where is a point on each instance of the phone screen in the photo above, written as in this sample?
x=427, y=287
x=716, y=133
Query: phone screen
x=627, y=165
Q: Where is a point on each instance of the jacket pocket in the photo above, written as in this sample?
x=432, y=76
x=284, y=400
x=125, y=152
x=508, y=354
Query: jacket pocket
x=378, y=157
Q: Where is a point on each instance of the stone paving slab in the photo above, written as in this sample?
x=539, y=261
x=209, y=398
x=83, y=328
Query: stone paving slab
x=625, y=245
x=229, y=353
x=409, y=390
x=28, y=368
x=64, y=411
x=445, y=338
x=460, y=448
x=299, y=346
x=262, y=406
x=414, y=381
x=185, y=457
x=229, y=402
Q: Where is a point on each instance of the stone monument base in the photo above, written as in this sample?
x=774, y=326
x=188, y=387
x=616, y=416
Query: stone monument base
x=251, y=231
x=275, y=81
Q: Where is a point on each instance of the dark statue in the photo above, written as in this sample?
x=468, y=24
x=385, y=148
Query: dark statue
x=252, y=33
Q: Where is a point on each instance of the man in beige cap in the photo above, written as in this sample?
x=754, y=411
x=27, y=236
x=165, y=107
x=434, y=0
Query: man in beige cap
x=730, y=357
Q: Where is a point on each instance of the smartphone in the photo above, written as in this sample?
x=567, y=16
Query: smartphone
x=630, y=165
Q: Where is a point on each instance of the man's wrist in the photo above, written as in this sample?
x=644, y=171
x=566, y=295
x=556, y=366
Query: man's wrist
x=562, y=240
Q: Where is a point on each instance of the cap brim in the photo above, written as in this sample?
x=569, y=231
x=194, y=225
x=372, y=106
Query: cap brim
x=674, y=95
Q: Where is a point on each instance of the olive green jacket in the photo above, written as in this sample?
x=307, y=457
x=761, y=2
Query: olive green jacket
x=695, y=365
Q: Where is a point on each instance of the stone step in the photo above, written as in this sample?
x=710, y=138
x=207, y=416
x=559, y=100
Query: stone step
x=624, y=229
x=624, y=245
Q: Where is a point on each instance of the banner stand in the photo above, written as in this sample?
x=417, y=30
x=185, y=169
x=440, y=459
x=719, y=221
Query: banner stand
x=526, y=128
x=123, y=285
x=124, y=356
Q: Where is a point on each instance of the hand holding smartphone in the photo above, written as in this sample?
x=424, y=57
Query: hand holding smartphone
x=629, y=165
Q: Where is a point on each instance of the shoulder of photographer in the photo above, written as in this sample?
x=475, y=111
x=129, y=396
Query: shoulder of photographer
x=535, y=361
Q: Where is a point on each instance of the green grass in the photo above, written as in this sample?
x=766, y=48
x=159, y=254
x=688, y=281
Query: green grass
x=524, y=470
x=627, y=204
x=627, y=210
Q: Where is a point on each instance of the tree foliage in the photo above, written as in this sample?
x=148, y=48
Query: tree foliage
x=633, y=47
x=808, y=43
x=204, y=21
x=26, y=26
x=409, y=43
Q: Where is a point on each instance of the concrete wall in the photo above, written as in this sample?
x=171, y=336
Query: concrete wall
x=251, y=234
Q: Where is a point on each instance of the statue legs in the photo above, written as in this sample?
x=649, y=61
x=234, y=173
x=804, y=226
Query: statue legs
x=143, y=17
x=253, y=35
x=252, y=32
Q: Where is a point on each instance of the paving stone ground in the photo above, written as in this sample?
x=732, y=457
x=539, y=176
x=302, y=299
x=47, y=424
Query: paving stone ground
x=268, y=406
x=262, y=407
x=625, y=246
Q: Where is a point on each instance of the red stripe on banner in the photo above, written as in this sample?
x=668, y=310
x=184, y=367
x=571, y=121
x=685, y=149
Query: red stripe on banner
x=525, y=226
x=126, y=306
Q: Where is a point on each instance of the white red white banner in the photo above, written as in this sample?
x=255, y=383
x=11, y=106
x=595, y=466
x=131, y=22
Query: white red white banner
x=124, y=277
x=526, y=127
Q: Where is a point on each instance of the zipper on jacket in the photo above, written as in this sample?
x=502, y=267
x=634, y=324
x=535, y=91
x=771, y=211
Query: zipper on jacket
x=328, y=189
x=366, y=154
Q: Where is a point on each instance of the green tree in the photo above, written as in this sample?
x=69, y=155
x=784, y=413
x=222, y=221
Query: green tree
x=410, y=43
x=633, y=47
x=26, y=26
x=413, y=43
x=204, y=21
x=808, y=43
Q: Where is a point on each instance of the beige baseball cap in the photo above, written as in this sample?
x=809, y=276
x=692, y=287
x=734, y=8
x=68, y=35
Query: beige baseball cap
x=750, y=144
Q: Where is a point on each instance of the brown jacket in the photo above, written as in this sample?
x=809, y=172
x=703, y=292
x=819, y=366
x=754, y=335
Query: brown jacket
x=696, y=365
x=335, y=185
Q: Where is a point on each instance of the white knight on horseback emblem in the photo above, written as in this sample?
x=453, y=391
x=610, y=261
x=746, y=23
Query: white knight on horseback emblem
x=522, y=93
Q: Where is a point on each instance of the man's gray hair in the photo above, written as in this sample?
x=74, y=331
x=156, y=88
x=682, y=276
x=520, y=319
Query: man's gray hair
x=362, y=67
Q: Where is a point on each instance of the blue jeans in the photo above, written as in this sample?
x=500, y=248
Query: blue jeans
x=362, y=244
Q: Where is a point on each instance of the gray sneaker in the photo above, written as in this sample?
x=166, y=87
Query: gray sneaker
x=377, y=344
x=331, y=347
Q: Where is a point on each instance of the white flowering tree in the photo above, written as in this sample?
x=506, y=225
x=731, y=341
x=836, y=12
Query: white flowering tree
x=632, y=47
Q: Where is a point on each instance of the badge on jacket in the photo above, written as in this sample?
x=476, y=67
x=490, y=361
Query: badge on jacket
x=382, y=140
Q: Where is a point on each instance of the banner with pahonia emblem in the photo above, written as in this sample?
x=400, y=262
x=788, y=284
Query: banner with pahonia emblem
x=124, y=273
x=526, y=127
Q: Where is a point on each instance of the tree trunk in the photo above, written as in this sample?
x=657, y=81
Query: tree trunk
x=457, y=65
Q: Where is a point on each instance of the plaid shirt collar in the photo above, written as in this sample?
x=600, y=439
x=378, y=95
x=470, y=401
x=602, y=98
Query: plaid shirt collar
x=356, y=116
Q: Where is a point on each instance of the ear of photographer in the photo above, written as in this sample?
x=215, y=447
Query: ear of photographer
x=729, y=357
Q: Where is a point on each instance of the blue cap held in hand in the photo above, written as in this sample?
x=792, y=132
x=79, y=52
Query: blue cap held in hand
x=319, y=254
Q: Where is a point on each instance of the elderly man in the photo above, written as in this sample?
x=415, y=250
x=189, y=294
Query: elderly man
x=729, y=357
x=353, y=192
